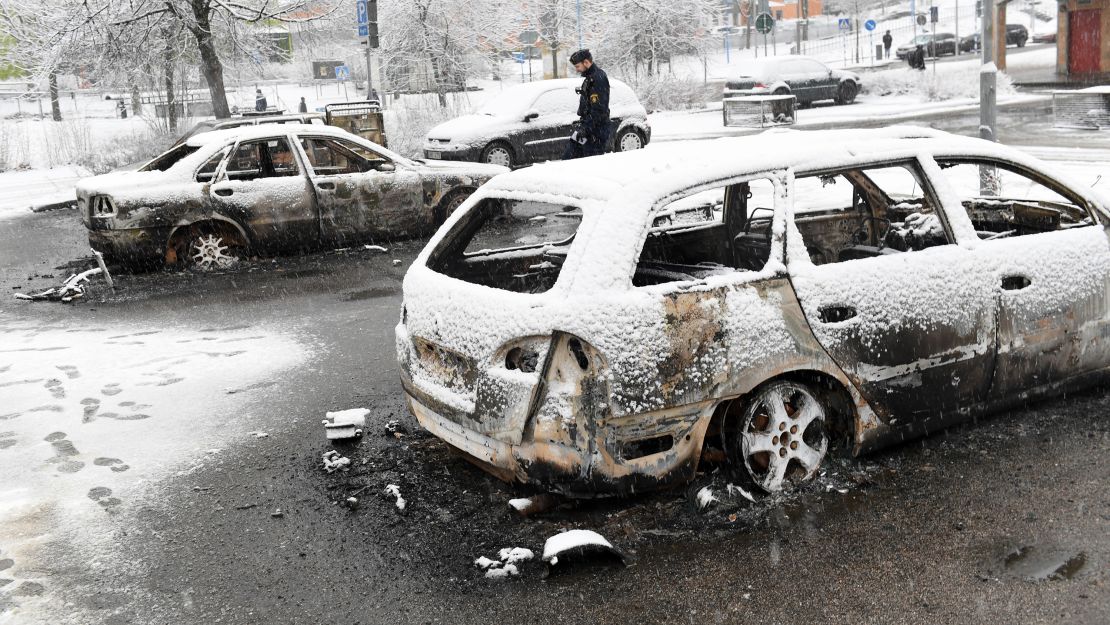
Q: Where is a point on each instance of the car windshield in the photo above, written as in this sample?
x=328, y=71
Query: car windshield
x=167, y=160
x=515, y=245
x=509, y=106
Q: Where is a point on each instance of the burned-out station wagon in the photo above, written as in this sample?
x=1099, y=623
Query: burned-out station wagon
x=269, y=188
x=768, y=298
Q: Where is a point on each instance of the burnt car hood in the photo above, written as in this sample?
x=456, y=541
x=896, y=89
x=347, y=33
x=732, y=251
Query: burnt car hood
x=461, y=168
x=125, y=183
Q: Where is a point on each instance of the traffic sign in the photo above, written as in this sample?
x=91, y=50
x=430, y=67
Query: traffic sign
x=362, y=18
x=764, y=23
x=934, y=14
x=844, y=23
x=518, y=57
x=921, y=19
x=342, y=72
x=869, y=24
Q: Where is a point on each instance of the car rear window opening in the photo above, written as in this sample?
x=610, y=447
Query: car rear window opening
x=514, y=245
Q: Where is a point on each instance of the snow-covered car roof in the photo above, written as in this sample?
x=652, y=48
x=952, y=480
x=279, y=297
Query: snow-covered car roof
x=519, y=96
x=240, y=133
x=763, y=66
x=635, y=180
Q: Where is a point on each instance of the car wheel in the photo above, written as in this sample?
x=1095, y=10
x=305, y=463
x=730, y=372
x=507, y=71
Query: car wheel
x=629, y=139
x=1021, y=43
x=208, y=249
x=449, y=203
x=498, y=153
x=779, y=437
x=846, y=94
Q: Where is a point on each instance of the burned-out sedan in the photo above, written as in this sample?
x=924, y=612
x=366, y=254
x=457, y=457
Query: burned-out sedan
x=268, y=189
x=760, y=300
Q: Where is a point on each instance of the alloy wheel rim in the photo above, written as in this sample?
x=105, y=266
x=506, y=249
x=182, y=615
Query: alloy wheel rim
x=783, y=437
x=209, y=252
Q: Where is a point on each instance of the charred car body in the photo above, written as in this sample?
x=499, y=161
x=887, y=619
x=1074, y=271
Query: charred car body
x=766, y=298
x=222, y=194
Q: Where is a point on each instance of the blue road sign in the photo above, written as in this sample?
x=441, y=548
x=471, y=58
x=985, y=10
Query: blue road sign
x=362, y=17
x=518, y=57
x=869, y=24
x=844, y=23
x=342, y=72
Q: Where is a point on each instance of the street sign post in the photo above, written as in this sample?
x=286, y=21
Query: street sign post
x=764, y=23
x=870, y=24
x=362, y=18
x=342, y=72
x=844, y=24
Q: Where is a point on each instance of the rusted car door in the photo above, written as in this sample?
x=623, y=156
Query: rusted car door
x=264, y=188
x=913, y=327
x=1049, y=262
x=362, y=193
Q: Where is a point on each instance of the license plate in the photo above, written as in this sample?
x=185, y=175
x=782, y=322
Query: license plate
x=434, y=154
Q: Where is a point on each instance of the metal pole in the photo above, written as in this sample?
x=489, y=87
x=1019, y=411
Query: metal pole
x=578, y=8
x=988, y=75
x=957, y=27
x=369, y=73
x=727, y=60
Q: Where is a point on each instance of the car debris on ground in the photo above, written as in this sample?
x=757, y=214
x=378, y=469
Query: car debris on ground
x=573, y=544
x=395, y=491
x=334, y=462
x=73, y=288
x=507, y=564
x=345, y=423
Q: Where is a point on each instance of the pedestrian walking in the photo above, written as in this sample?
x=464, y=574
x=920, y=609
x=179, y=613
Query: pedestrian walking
x=121, y=109
x=591, y=133
x=302, y=107
x=887, y=42
x=259, y=100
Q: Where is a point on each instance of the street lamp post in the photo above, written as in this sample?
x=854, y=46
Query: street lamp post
x=578, y=20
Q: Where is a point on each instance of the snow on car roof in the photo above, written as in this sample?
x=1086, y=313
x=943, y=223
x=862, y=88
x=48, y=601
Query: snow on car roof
x=520, y=95
x=666, y=168
x=263, y=130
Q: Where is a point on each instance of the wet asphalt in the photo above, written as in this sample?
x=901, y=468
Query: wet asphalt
x=1005, y=520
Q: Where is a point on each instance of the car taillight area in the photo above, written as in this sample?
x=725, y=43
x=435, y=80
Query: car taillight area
x=445, y=367
x=100, y=206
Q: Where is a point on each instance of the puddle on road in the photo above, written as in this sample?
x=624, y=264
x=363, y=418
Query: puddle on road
x=1043, y=564
x=372, y=293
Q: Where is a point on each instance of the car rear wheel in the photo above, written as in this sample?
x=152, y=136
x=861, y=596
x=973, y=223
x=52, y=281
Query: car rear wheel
x=846, y=94
x=629, y=139
x=498, y=153
x=779, y=438
x=1021, y=43
x=207, y=247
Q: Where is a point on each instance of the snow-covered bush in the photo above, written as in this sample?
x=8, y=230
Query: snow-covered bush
x=949, y=83
x=670, y=93
x=408, y=121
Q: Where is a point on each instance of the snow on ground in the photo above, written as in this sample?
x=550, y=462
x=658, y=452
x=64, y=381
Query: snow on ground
x=20, y=189
x=92, y=417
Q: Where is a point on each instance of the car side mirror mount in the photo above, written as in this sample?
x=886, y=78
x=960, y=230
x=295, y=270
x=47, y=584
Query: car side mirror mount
x=530, y=115
x=386, y=167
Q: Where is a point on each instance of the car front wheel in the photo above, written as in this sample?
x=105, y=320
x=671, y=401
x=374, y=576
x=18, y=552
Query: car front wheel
x=779, y=437
x=629, y=139
x=498, y=153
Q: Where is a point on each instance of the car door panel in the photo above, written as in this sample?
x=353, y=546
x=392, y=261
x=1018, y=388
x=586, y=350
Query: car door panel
x=276, y=207
x=359, y=197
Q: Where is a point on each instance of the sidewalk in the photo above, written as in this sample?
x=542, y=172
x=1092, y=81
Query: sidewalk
x=38, y=189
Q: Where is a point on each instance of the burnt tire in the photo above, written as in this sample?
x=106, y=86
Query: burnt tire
x=499, y=153
x=847, y=92
x=628, y=139
x=449, y=204
x=209, y=248
x=779, y=438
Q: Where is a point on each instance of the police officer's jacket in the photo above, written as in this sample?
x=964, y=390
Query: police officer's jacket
x=593, y=103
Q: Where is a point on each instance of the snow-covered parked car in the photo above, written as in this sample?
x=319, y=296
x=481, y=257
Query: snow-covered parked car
x=808, y=80
x=763, y=300
x=267, y=189
x=532, y=123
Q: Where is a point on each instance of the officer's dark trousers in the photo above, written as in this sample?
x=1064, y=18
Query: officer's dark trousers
x=592, y=147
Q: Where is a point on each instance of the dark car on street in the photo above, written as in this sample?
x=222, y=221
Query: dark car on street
x=936, y=44
x=1016, y=35
x=532, y=123
x=809, y=80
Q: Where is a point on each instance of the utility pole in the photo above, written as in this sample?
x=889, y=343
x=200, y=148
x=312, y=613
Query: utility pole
x=988, y=80
x=578, y=8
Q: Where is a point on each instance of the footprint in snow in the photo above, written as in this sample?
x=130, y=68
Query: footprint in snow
x=116, y=465
x=54, y=385
x=103, y=497
x=92, y=405
x=7, y=439
x=70, y=371
x=64, y=452
x=111, y=389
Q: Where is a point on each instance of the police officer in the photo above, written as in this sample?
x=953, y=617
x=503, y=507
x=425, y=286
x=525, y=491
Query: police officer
x=591, y=134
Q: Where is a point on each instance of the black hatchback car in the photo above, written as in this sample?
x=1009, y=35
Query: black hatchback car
x=1016, y=35
x=936, y=44
x=532, y=123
